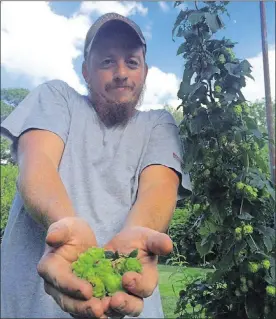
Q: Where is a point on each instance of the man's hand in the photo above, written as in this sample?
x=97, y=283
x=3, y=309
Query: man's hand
x=65, y=240
x=150, y=244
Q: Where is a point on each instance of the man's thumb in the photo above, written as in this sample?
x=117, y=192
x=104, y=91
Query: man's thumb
x=159, y=244
x=58, y=234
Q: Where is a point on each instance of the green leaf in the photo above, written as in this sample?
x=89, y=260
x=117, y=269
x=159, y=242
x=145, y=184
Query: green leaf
x=181, y=16
x=216, y=276
x=245, y=68
x=195, y=17
x=245, y=216
x=253, y=306
x=181, y=49
x=117, y=255
x=134, y=253
x=268, y=242
x=213, y=21
x=109, y=254
x=209, y=72
x=233, y=69
x=257, y=133
x=205, y=249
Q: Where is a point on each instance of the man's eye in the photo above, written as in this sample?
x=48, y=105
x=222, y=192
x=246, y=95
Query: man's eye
x=133, y=63
x=106, y=62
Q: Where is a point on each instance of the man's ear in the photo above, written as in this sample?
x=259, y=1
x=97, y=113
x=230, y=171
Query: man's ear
x=85, y=71
x=146, y=70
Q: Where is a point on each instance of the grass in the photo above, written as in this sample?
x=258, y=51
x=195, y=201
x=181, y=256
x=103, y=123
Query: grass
x=171, y=280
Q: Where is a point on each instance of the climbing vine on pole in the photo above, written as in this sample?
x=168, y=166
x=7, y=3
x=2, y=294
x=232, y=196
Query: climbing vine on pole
x=223, y=147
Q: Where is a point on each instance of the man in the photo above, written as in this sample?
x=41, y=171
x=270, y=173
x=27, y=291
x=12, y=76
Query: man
x=92, y=171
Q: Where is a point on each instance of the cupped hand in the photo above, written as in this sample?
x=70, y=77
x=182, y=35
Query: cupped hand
x=150, y=245
x=65, y=240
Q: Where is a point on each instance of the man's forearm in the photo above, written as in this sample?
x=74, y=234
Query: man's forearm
x=154, y=208
x=43, y=192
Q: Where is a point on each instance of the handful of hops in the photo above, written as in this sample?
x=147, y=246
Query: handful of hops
x=104, y=269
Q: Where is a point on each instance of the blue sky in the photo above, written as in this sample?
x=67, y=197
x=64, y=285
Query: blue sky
x=44, y=40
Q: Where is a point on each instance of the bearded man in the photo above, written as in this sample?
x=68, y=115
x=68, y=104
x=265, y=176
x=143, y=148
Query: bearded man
x=93, y=171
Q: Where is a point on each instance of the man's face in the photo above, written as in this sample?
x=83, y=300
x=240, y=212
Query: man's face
x=115, y=74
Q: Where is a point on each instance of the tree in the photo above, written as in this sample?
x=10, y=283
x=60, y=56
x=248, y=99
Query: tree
x=229, y=176
x=10, y=98
x=13, y=96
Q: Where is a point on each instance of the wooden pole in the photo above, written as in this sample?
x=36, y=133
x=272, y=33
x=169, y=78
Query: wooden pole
x=269, y=110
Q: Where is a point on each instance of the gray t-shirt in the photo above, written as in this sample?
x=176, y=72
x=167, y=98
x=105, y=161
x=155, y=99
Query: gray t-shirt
x=100, y=169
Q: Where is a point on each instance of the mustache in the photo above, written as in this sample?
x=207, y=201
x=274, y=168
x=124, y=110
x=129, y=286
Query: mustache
x=110, y=86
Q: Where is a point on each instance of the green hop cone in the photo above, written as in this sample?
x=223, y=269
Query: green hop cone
x=80, y=268
x=271, y=290
x=250, y=283
x=91, y=255
x=96, y=252
x=132, y=264
x=253, y=267
x=238, y=109
x=218, y=88
x=221, y=59
x=240, y=185
x=238, y=230
x=237, y=293
x=243, y=280
x=206, y=173
x=244, y=288
x=103, y=264
x=266, y=309
x=98, y=286
x=247, y=229
x=112, y=282
x=266, y=264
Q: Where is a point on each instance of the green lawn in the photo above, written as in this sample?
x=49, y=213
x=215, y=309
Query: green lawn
x=171, y=280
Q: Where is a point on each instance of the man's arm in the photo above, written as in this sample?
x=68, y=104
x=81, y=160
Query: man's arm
x=39, y=183
x=156, y=200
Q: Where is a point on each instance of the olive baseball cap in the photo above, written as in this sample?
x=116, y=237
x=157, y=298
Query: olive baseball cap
x=109, y=17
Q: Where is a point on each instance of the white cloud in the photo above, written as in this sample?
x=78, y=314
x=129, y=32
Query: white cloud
x=125, y=8
x=40, y=44
x=147, y=31
x=161, y=89
x=255, y=89
x=47, y=51
x=164, y=6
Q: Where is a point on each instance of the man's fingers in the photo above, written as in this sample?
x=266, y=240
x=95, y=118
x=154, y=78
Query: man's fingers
x=126, y=305
x=57, y=272
x=58, y=234
x=91, y=308
x=159, y=244
x=143, y=284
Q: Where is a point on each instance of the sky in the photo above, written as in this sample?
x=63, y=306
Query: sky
x=43, y=40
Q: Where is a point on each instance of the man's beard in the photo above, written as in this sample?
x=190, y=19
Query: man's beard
x=114, y=113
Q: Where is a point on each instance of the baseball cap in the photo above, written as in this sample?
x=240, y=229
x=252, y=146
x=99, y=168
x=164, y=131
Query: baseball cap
x=109, y=17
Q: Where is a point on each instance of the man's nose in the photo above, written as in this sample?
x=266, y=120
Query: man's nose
x=120, y=71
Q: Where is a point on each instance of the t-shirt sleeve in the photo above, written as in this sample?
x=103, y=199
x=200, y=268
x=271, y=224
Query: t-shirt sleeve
x=164, y=148
x=44, y=108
